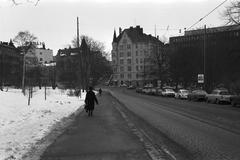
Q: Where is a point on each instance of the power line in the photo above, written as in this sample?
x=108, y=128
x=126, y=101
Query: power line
x=207, y=14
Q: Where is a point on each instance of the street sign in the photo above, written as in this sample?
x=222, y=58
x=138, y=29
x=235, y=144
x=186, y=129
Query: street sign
x=200, y=78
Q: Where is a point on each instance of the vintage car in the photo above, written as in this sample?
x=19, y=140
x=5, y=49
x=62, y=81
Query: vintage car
x=218, y=96
x=168, y=92
x=197, y=95
x=182, y=94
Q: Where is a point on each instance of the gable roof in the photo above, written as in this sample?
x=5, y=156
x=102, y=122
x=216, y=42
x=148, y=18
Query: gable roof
x=136, y=35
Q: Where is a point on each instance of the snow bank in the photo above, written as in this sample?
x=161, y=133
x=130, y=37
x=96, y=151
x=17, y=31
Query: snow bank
x=21, y=126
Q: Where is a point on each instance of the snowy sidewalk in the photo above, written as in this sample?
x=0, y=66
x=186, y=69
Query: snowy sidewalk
x=105, y=136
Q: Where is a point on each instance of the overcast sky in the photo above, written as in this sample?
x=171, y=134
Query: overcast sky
x=54, y=21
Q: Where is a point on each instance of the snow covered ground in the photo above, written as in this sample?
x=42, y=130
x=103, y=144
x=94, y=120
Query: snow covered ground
x=22, y=126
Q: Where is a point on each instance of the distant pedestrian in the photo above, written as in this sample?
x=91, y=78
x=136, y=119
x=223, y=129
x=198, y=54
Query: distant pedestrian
x=100, y=91
x=90, y=101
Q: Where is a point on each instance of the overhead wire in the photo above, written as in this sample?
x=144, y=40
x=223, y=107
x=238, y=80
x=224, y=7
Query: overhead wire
x=207, y=14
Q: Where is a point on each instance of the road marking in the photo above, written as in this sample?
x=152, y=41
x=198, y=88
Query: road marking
x=154, y=152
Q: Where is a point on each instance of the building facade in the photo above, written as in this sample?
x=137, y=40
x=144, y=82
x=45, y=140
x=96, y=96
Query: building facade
x=214, y=52
x=44, y=56
x=10, y=64
x=132, y=56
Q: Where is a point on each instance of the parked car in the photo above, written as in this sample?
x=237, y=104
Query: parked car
x=182, y=94
x=131, y=87
x=153, y=91
x=159, y=91
x=168, y=92
x=235, y=100
x=123, y=85
x=197, y=95
x=218, y=96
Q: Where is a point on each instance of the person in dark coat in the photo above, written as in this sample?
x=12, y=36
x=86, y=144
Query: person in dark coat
x=100, y=91
x=89, y=101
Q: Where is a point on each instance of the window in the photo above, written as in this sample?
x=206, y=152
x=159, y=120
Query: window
x=136, y=46
x=141, y=60
x=129, y=54
x=40, y=53
x=121, y=69
x=121, y=54
x=128, y=46
x=129, y=76
x=128, y=61
x=121, y=61
x=129, y=68
x=136, y=53
x=121, y=75
x=136, y=60
x=41, y=59
x=121, y=47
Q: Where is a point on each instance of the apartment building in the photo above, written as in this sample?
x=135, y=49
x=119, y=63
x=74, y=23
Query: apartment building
x=133, y=55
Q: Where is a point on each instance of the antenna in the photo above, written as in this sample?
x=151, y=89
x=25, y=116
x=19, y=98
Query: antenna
x=155, y=30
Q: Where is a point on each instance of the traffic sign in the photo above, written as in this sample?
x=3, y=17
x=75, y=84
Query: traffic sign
x=200, y=78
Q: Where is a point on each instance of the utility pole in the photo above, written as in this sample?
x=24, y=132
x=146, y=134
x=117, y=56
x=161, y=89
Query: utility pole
x=77, y=33
x=204, y=56
x=80, y=56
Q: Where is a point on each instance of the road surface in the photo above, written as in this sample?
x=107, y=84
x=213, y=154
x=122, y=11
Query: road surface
x=196, y=130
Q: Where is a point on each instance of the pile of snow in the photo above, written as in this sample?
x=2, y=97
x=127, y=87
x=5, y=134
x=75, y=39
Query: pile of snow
x=22, y=126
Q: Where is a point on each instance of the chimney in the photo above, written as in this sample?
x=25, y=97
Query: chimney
x=120, y=30
x=158, y=37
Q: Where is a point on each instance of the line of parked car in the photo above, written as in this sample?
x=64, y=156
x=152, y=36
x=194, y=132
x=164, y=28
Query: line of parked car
x=218, y=96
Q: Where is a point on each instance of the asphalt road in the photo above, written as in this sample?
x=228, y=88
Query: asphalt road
x=196, y=130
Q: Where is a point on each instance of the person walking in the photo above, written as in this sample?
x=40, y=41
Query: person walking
x=90, y=101
x=100, y=91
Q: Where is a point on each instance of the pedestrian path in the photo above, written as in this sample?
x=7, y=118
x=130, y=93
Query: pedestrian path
x=104, y=136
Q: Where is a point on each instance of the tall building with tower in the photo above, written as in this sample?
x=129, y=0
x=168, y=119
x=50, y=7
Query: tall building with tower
x=132, y=56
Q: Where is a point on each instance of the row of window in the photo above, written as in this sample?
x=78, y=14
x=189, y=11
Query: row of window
x=129, y=68
x=128, y=76
x=129, y=61
x=138, y=53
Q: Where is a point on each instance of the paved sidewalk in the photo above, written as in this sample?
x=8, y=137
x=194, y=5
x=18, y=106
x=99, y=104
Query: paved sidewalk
x=105, y=136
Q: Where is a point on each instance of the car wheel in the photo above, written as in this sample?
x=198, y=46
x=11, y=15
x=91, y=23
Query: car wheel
x=217, y=101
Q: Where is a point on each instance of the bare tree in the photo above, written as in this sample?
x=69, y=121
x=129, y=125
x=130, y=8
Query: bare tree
x=92, y=44
x=25, y=41
x=232, y=13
